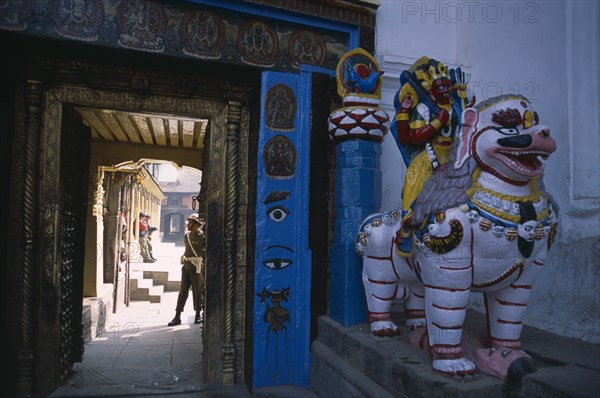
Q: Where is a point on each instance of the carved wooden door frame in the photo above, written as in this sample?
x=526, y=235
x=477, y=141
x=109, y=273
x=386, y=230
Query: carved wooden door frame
x=226, y=197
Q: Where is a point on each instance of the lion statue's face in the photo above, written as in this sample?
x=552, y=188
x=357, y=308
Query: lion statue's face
x=506, y=139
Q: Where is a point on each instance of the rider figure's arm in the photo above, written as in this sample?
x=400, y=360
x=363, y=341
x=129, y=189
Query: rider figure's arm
x=407, y=134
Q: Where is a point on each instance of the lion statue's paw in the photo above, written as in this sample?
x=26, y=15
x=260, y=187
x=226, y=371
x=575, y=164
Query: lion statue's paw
x=385, y=328
x=458, y=367
x=504, y=363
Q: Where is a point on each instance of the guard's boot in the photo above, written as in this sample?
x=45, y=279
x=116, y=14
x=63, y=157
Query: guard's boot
x=198, y=318
x=175, y=321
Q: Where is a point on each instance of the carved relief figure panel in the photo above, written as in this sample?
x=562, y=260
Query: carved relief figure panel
x=280, y=158
x=280, y=107
x=78, y=19
x=306, y=48
x=15, y=13
x=203, y=34
x=142, y=24
x=258, y=44
x=189, y=29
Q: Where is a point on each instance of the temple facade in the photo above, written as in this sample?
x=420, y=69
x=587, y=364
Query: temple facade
x=242, y=90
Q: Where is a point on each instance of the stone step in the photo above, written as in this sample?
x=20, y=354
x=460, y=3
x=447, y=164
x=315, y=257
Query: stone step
x=327, y=366
x=170, y=280
x=565, y=367
x=149, y=280
x=96, y=312
x=388, y=362
x=152, y=294
x=159, y=277
x=136, y=274
x=140, y=283
x=145, y=290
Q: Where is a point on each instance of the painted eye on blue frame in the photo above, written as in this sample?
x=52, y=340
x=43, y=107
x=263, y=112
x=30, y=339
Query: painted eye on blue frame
x=277, y=257
x=277, y=263
x=278, y=213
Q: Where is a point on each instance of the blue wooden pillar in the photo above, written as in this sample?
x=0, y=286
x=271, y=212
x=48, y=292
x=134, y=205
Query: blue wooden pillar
x=358, y=128
x=357, y=194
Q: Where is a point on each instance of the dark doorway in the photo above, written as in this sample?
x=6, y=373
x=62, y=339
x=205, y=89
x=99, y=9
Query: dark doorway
x=174, y=227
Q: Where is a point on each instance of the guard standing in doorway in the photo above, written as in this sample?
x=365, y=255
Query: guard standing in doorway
x=192, y=271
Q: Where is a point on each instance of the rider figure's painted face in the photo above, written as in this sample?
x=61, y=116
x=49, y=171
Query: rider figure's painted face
x=440, y=91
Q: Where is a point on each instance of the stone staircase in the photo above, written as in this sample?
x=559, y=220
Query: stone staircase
x=165, y=279
x=148, y=281
x=144, y=289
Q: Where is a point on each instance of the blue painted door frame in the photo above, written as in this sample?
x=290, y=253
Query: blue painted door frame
x=282, y=259
x=282, y=266
x=282, y=262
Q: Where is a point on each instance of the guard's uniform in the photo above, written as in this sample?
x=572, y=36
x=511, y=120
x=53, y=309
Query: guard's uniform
x=189, y=276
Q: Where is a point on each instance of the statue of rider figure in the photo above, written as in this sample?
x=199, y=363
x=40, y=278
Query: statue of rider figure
x=428, y=107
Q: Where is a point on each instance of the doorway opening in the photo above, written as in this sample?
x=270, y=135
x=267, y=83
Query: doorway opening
x=135, y=345
x=111, y=117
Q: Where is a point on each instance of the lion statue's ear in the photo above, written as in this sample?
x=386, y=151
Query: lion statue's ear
x=468, y=123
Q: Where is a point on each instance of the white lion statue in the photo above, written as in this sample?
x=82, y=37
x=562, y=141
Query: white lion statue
x=483, y=223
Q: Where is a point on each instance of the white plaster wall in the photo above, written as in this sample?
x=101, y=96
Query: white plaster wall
x=549, y=52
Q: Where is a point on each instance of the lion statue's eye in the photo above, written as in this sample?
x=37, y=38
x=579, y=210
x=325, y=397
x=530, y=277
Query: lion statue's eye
x=508, y=130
